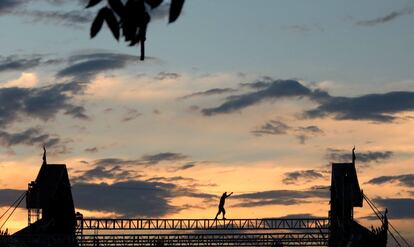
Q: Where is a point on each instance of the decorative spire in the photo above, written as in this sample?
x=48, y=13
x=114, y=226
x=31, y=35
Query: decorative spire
x=353, y=155
x=44, y=155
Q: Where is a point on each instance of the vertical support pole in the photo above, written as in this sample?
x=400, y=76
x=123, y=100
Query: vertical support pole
x=28, y=217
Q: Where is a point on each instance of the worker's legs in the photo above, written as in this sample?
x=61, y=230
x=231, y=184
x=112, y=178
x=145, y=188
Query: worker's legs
x=218, y=213
x=224, y=213
x=221, y=210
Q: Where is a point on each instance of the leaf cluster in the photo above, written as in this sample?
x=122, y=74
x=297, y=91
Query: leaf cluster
x=130, y=19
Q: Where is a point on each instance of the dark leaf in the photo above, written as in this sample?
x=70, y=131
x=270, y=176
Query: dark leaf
x=117, y=6
x=93, y=3
x=134, y=42
x=98, y=22
x=129, y=31
x=112, y=23
x=175, y=9
x=154, y=3
x=131, y=21
x=143, y=30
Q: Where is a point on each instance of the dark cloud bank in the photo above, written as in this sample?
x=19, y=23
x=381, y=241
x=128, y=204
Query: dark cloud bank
x=130, y=198
x=41, y=103
x=133, y=197
x=372, y=107
x=45, y=102
x=399, y=208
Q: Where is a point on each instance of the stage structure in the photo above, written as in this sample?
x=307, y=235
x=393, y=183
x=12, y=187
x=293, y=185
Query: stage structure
x=53, y=221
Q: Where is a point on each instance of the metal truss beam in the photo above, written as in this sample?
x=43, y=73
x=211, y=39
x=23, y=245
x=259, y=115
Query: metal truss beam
x=238, y=239
x=203, y=224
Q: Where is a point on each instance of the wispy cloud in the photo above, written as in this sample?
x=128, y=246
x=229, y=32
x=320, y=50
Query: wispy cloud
x=91, y=150
x=307, y=132
x=32, y=136
x=301, y=176
x=276, y=127
x=167, y=76
x=148, y=159
x=186, y=166
x=373, y=107
x=404, y=180
x=279, y=197
x=130, y=115
x=303, y=28
x=272, y=127
x=160, y=157
x=40, y=103
x=19, y=63
x=210, y=92
x=114, y=173
x=87, y=66
x=276, y=89
x=7, y=6
x=339, y=155
x=73, y=18
x=386, y=18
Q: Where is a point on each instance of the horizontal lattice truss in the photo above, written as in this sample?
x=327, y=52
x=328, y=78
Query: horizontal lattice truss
x=203, y=224
x=237, y=239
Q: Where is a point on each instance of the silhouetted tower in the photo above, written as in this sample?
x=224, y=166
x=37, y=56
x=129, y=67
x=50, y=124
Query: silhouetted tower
x=49, y=202
x=345, y=195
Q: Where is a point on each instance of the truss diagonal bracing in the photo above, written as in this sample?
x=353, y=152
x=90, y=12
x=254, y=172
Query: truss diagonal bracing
x=203, y=232
x=239, y=239
x=203, y=224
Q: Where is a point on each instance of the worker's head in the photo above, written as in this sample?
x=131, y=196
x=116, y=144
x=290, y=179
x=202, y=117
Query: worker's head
x=225, y=193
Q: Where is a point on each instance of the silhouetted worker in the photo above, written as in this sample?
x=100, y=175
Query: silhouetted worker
x=221, y=205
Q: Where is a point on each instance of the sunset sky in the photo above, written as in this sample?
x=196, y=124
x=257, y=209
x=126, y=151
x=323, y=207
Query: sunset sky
x=254, y=97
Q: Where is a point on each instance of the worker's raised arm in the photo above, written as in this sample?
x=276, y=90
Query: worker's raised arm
x=230, y=194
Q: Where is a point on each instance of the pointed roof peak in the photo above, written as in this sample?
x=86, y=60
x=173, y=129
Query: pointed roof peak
x=44, y=155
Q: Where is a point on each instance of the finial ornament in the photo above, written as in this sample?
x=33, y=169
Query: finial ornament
x=353, y=155
x=44, y=155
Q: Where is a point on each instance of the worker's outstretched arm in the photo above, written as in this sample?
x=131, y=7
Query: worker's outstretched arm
x=230, y=194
